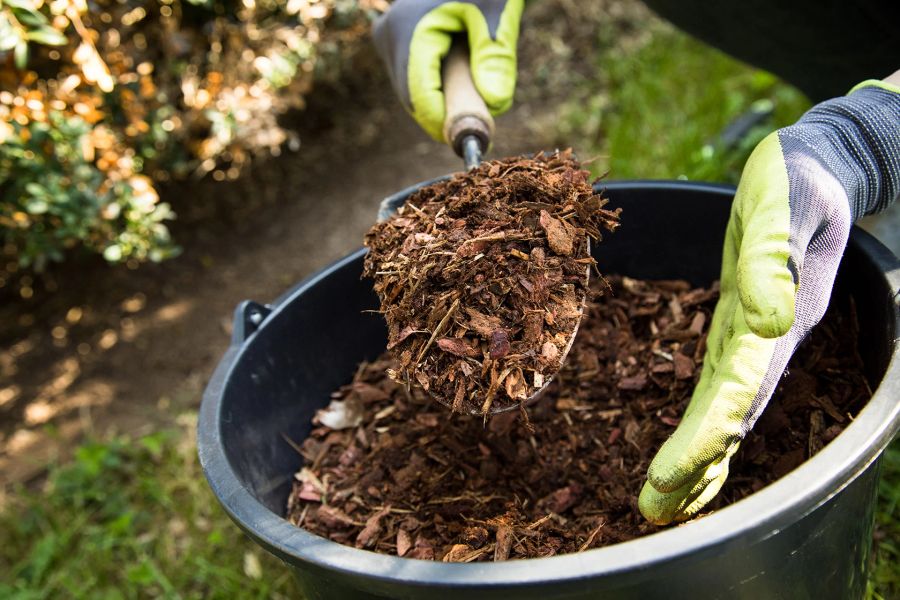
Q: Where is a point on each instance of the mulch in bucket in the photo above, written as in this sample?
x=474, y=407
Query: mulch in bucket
x=388, y=469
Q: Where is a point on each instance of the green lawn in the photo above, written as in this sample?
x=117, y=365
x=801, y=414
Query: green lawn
x=135, y=518
x=658, y=111
x=131, y=519
x=884, y=580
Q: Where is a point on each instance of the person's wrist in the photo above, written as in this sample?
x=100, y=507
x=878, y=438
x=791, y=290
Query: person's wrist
x=854, y=137
x=893, y=79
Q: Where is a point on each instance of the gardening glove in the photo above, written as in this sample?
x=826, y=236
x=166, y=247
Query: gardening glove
x=800, y=191
x=414, y=36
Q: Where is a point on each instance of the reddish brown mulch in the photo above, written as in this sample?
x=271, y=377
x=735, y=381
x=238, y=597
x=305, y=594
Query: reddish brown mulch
x=416, y=481
x=482, y=278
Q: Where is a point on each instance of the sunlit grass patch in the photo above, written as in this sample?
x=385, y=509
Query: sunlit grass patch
x=131, y=518
x=659, y=110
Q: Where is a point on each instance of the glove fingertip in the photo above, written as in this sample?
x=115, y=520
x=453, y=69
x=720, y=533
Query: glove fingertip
x=769, y=311
x=496, y=87
x=664, y=475
x=428, y=111
x=494, y=74
x=770, y=322
x=433, y=128
x=655, y=506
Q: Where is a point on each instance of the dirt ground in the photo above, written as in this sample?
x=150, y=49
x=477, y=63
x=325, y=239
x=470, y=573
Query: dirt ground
x=138, y=346
x=99, y=349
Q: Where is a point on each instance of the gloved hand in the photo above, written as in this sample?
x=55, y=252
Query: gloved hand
x=800, y=191
x=414, y=36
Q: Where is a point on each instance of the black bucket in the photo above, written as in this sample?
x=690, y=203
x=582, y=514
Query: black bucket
x=806, y=536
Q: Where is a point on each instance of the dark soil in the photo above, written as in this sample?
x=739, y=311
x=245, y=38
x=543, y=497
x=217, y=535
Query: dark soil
x=483, y=278
x=415, y=481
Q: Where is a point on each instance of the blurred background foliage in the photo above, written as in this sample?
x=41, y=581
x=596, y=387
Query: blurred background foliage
x=101, y=101
x=672, y=107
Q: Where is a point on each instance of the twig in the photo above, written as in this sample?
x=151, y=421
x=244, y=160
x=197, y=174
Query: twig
x=591, y=537
x=437, y=330
x=292, y=444
x=302, y=517
x=493, y=237
x=539, y=522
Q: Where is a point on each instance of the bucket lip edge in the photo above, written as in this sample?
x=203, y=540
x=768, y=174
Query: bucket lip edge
x=739, y=525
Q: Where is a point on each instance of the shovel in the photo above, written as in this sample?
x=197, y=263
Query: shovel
x=468, y=128
x=468, y=124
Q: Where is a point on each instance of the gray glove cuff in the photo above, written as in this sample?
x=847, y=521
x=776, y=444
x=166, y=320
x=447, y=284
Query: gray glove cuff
x=857, y=139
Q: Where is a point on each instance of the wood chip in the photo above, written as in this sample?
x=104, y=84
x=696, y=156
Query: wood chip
x=404, y=542
x=504, y=542
x=684, y=366
x=507, y=243
x=559, y=235
x=369, y=534
x=564, y=475
x=698, y=323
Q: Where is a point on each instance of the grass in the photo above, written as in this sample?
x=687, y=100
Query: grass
x=884, y=578
x=134, y=518
x=131, y=519
x=658, y=111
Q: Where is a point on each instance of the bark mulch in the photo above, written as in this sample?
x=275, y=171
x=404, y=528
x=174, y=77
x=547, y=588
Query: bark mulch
x=396, y=473
x=482, y=278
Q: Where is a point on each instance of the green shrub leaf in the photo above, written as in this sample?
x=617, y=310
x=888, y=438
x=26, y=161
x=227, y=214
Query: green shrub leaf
x=113, y=253
x=30, y=17
x=47, y=36
x=21, y=54
x=9, y=36
x=20, y=4
x=92, y=129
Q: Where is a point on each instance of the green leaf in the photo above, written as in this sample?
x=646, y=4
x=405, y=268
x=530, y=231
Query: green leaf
x=141, y=574
x=41, y=556
x=37, y=206
x=93, y=457
x=122, y=524
x=20, y=4
x=21, y=54
x=113, y=253
x=29, y=17
x=47, y=36
x=9, y=36
x=154, y=444
x=35, y=189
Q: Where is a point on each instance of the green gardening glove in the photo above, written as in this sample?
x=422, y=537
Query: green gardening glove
x=414, y=36
x=801, y=190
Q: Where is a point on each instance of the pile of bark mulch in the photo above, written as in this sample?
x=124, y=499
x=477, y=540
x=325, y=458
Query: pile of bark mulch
x=482, y=278
x=410, y=479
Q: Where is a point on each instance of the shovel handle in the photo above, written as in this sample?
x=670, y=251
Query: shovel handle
x=466, y=112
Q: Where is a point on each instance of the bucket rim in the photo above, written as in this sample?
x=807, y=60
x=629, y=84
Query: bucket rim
x=739, y=525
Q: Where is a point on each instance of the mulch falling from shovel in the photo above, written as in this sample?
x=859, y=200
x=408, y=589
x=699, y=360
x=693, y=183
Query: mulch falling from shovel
x=482, y=278
x=404, y=477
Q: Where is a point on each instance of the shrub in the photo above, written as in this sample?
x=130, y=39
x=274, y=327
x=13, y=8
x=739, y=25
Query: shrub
x=99, y=103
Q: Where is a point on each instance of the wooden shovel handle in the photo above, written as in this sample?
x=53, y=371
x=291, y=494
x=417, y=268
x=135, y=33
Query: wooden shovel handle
x=466, y=112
